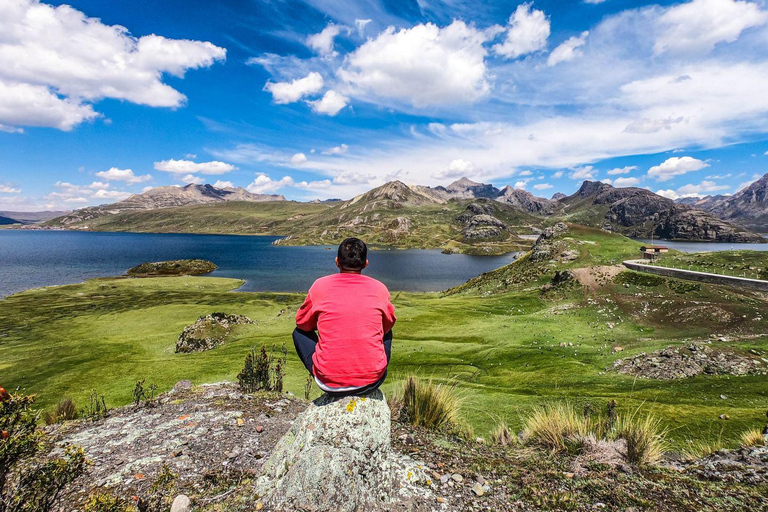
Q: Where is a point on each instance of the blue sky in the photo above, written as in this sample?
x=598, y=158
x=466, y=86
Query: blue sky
x=329, y=98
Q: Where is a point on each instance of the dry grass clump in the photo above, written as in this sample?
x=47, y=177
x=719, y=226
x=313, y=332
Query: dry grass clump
x=557, y=427
x=502, y=436
x=426, y=404
x=65, y=410
x=645, y=438
x=752, y=438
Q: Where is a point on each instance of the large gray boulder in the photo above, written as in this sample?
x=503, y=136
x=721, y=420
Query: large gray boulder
x=338, y=457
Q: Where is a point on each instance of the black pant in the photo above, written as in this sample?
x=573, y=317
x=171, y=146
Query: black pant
x=306, y=343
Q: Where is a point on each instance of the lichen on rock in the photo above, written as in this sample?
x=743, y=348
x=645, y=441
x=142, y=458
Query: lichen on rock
x=208, y=332
x=337, y=456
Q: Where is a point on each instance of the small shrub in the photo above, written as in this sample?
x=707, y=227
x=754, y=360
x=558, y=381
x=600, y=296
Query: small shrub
x=557, y=427
x=140, y=394
x=101, y=501
x=97, y=407
x=426, y=404
x=261, y=372
x=40, y=484
x=501, y=435
x=65, y=411
x=308, y=386
x=752, y=438
x=645, y=438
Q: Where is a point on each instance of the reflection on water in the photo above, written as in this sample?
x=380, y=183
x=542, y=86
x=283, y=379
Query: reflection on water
x=705, y=246
x=30, y=259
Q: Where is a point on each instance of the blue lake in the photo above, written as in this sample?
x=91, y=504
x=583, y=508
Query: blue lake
x=705, y=246
x=31, y=259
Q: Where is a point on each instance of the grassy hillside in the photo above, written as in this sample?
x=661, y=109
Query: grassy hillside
x=522, y=345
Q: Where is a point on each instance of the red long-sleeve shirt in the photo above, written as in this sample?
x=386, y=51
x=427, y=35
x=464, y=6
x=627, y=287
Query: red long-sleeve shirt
x=351, y=313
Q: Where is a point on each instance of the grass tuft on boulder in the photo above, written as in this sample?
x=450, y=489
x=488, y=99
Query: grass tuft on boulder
x=426, y=404
x=172, y=268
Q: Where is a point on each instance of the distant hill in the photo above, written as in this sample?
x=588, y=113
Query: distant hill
x=747, y=207
x=639, y=212
x=166, y=197
x=5, y=221
x=30, y=217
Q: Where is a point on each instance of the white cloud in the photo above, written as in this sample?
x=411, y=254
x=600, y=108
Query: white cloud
x=694, y=190
x=322, y=42
x=525, y=173
x=520, y=185
x=353, y=178
x=330, y=104
x=699, y=25
x=675, y=166
x=298, y=158
x=293, y=91
x=189, y=167
x=224, y=184
x=528, y=32
x=360, y=24
x=458, y=168
x=314, y=185
x=542, y=186
x=558, y=175
x=126, y=175
x=594, y=2
x=423, y=65
x=55, y=61
x=646, y=125
x=622, y=170
x=191, y=178
x=625, y=182
x=7, y=189
x=66, y=192
x=568, y=50
x=338, y=150
x=263, y=184
x=586, y=172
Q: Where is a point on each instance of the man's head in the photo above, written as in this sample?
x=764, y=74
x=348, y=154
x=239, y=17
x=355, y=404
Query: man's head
x=352, y=256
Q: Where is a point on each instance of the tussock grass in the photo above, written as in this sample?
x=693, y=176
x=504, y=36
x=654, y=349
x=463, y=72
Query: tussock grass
x=645, y=438
x=64, y=411
x=426, y=404
x=699, y=448
x=752, y=437
x=502, y=436
x=557, y=427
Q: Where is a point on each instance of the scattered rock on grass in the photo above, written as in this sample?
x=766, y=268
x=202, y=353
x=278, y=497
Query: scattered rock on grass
x=208, y=332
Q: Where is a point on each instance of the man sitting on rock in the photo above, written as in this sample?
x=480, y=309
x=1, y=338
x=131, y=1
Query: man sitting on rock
x=353, y=317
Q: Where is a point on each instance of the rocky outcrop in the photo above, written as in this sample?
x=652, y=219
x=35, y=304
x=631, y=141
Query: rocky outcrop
x=172, y=268
x=337, y=456
x=208, y=332
x=691, y=360
x=525, y=201
x=547, y=245
x=478, y=223
x=747, y=207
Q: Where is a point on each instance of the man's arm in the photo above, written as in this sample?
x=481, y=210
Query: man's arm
x=306, y=316
x=388, y=318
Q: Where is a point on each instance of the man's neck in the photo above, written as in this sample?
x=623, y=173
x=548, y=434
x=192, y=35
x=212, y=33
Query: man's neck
x=344, y=271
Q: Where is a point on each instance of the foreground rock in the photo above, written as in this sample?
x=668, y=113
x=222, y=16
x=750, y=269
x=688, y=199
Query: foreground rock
x=692, y=360
x=208, y=332
x=172, y=268
x=337, y=456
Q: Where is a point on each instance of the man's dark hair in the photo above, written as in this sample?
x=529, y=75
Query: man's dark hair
x=352, y=254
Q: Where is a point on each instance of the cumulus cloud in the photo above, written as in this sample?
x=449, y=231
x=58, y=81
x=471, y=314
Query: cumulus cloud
x=263, y=184
x=323, y=42
x=675, y=166
x=520, y=185
x=625, y=182
x=126, y=175
x=586, y=172
x=223, y=184
x=458, y=168
x=528, y=32
x=360, y=24
x=330, y=104
x=189, y=167
x=693, y=190
x=353, y=178
x=56, y=61
x=622, y=170
x=568, y=50
x=66, y=193
x=293, y=91
x=298, y=158
x=8, y=189
x=191, y=179
x=338, y=150
x=542, y=186
x=558, y=175
x=423, y=65
x=699, y=25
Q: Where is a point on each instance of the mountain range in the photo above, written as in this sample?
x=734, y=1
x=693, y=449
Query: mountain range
x=25, y=218
x=465, y=216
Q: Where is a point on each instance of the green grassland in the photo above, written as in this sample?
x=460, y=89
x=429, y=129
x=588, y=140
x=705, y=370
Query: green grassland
x=500, y=338
x=749, y=264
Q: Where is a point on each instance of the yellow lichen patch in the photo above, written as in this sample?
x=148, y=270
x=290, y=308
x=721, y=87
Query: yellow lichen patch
x=351, y=405
x=362, y=399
